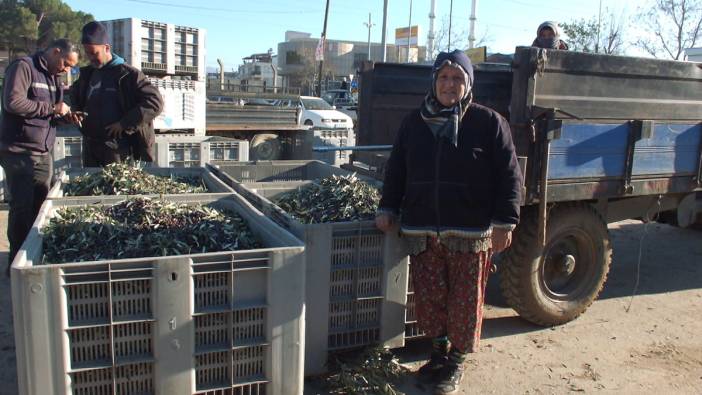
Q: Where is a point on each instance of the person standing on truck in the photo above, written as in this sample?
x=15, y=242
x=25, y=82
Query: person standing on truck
x=32, y=102
x=453, y=183
x=548, y=35
x=114, y=104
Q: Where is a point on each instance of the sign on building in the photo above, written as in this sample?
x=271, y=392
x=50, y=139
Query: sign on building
x=403, y=34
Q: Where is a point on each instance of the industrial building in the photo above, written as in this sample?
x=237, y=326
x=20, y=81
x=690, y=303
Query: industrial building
x=341, y=58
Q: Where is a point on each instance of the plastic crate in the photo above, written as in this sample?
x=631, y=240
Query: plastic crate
x=356, y=280
x=412, y=330
x=226, y=322
x=213, y=184
x=68, y=153
x=195, y=151
x=303, y=145
x=274, y=171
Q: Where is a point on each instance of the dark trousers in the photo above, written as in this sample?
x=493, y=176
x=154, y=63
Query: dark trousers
x=28, y=178
x=98, y=154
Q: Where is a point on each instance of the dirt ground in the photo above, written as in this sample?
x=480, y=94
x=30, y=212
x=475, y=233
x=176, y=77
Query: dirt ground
x=654, y=348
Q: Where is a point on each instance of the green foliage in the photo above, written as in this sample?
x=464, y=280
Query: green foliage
x=142, y=227
x=370, y=371
x=31, y=24
x=332, y=199
x=591, y=35
x=129, y=179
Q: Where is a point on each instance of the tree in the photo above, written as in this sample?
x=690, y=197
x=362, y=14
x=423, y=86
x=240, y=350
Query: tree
x=302, y=69
x=32, y=24
x=459, y=38
x=588, y=35
x=19, y=28
x=670, y=27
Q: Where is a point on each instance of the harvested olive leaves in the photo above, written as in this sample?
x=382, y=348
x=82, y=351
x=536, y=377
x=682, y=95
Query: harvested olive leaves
x=129, y=179
x=363, y=372
x=142, y=227
x=332, y=199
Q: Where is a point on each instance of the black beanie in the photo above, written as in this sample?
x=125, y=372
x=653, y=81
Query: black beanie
x=456, y=56
x=94, y=33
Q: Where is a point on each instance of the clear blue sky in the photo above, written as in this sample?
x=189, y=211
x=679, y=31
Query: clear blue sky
x=236, y=28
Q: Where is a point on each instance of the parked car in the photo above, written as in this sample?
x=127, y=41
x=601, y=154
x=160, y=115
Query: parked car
x=343, y=100
x=319, y=114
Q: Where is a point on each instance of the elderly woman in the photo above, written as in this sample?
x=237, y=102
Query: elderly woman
x=453, y=184
x=548, y=36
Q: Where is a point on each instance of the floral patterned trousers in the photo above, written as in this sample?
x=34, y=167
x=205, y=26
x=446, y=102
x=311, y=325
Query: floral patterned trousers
x=449, y=289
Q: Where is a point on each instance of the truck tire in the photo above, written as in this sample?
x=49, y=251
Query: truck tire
x=555, y=284
x=264, y=146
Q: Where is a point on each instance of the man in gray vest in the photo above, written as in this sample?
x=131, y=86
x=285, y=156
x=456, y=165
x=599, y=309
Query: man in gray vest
x=114, y=103
x=32, y=101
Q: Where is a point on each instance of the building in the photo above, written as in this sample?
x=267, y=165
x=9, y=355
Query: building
x=160, y=48
x=259, y=73
x=297, y=65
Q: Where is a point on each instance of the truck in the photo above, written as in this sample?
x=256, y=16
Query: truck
x=600, y=139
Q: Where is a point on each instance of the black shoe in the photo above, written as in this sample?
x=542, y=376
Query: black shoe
x=450, y=380
x=429, y=372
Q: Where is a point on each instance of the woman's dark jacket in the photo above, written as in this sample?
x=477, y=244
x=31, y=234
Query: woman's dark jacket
x=440, y=188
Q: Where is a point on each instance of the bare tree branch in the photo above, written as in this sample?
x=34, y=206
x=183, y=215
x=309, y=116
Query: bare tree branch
x=672, y=26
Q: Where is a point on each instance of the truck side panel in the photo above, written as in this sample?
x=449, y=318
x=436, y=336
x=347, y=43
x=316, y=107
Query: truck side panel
x=673, y=149
x=589, y=151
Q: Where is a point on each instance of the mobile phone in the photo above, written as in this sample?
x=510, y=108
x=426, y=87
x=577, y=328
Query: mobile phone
x=81, y=113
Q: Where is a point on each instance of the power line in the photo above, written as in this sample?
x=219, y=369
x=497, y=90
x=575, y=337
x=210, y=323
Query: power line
x=158, y=3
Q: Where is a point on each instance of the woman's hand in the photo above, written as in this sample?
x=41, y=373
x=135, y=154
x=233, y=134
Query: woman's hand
x=385, y=222
x=501, y=239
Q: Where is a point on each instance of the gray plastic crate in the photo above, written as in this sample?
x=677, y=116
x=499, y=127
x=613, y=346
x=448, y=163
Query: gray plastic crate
x=226, y=322
x=412, y=330
x=68, y=151
x=356, y=280
x=276, y=171
x=213, y=184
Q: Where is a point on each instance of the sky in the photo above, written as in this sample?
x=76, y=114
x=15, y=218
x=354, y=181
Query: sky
x=236, y=28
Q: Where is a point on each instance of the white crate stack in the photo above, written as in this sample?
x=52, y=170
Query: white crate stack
x=174, y=58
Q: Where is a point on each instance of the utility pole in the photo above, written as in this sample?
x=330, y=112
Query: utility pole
x=471, y=36
x=449, y=33
x=385, y=31
x=409, y=32
x=369, y=25
x=321, y=61
x=599, y=25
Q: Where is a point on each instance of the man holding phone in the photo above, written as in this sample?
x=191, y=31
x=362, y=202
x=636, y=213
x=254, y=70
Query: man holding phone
x=32, y=102
x=113, y=104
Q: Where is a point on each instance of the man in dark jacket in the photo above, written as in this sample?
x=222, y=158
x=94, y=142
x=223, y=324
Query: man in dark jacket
x=113, y=104
x=32, y=100
x=453, y=182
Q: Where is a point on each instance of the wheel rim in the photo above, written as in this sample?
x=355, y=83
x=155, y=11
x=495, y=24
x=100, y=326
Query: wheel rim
x=567, y=265
x=265, y=150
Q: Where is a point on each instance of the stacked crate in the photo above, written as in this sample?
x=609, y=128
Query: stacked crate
x=173, y=57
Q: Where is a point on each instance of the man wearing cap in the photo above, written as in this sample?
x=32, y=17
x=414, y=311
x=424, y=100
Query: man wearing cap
x=32, y=102
x=453, y=184
x=548, y=36
x=114, y=104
